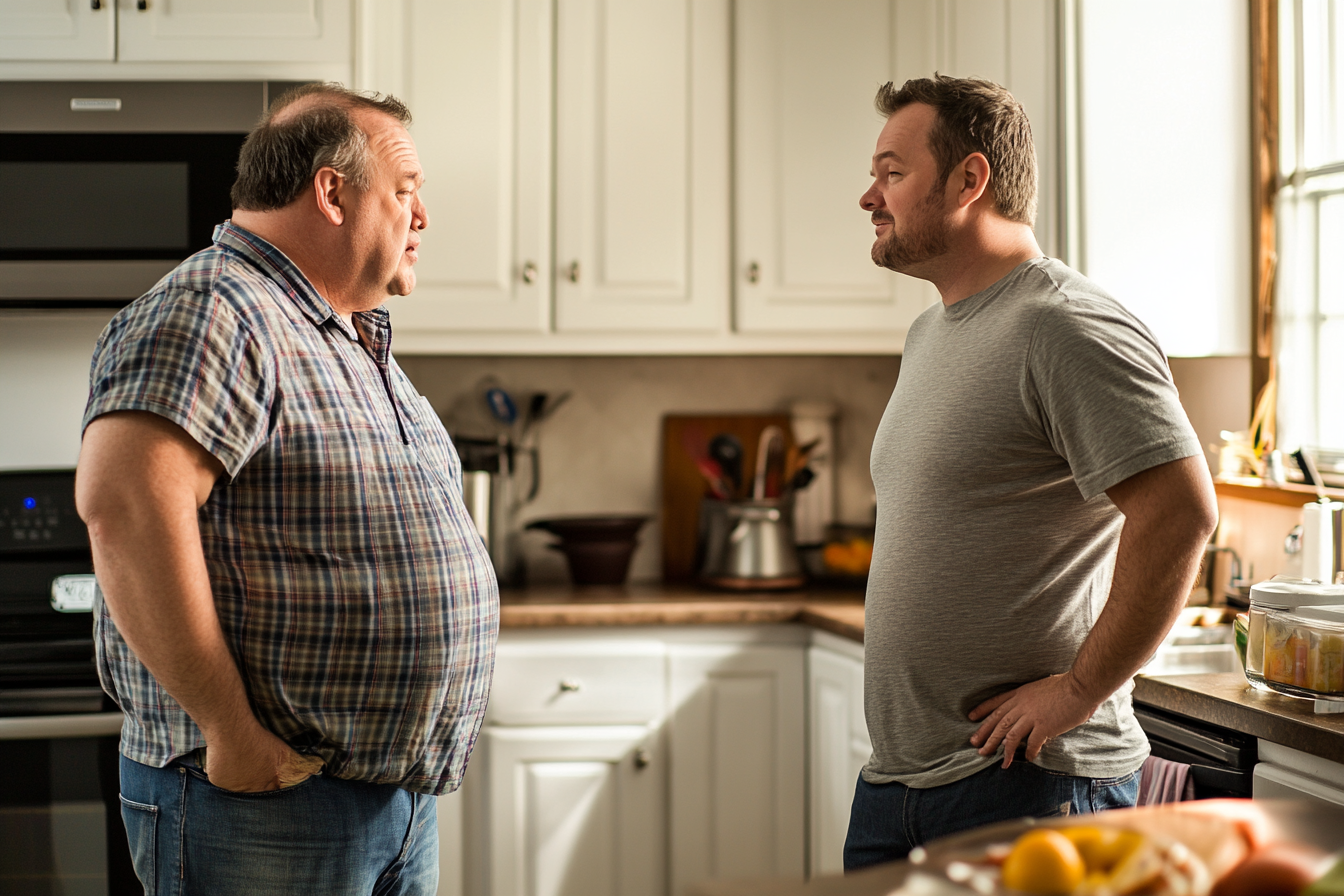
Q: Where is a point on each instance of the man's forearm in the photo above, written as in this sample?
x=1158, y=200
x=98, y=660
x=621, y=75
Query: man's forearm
x=1167, y=525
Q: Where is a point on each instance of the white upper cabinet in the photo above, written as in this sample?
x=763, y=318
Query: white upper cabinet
x=182, y=31
x=58, y=29
x=240, y=30
x=805, y=130
x=642, y=149
x=478, y=80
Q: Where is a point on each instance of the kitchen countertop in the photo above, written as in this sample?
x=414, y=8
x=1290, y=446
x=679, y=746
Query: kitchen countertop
x=839, y=612
x=1227, y=699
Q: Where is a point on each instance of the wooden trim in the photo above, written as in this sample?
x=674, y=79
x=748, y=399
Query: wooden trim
x=1265, y=174
x=1290, y=495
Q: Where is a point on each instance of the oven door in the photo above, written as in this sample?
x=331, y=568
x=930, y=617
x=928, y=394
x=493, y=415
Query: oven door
x=60, y=815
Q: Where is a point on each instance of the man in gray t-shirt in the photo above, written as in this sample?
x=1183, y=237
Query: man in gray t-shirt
x=1042, y=501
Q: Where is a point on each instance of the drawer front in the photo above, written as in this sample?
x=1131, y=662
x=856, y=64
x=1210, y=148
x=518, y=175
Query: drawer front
x=595, y=683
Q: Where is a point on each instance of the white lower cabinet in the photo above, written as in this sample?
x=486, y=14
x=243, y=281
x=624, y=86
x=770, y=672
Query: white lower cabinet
x=838, y=745
x=737, y=775
x=633, y=762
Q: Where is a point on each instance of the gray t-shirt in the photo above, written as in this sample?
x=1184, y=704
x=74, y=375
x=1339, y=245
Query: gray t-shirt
x=1015, y=409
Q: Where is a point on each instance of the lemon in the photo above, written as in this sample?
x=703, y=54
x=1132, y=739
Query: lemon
x=1045, y=863
x=1101, y=848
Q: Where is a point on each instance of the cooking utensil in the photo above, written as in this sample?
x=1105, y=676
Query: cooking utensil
x=771, y=436
x=726, y=450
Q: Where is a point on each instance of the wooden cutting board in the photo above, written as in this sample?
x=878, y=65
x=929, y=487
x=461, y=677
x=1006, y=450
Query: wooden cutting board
x=683, y=486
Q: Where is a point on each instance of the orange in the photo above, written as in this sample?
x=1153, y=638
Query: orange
x=1044, y=862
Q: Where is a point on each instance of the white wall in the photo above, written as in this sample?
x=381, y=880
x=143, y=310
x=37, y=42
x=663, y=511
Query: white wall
x=44, y=383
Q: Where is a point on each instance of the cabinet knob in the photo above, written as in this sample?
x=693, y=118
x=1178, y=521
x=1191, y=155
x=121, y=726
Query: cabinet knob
x=753, y=273
x=142, y=5
x=642, y=759
x=95, y=5
x=568, y=686
x=529, y=272
x=573, y=272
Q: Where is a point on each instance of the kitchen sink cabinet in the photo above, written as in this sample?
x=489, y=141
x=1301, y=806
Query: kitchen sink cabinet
x=838, y=745
x=175, y=31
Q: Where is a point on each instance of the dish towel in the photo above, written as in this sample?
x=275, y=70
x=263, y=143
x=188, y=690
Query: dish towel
x=1164, y=781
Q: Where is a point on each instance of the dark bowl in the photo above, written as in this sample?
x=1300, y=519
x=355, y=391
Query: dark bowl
x=583, y=529
x=597, y=562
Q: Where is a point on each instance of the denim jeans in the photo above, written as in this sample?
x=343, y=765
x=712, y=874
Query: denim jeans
x=889, y=820
x=323, y=835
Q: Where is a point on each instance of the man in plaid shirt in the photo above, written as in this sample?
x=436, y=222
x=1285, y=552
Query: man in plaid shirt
x=295, y=612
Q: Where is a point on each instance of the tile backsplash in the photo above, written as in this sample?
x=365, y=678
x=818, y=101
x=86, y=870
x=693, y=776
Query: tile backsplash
x=600, y=453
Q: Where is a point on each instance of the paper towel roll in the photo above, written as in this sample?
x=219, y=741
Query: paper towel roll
x=1318, y=540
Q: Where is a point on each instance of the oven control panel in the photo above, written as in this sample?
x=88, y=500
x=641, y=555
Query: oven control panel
x=37, y=513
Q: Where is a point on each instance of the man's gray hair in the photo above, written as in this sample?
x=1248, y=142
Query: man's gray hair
x=975, y=115
x=306, y=129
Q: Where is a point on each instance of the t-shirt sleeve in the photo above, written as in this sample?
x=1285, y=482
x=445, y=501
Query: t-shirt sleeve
x=187, y=357
x=1105, y=394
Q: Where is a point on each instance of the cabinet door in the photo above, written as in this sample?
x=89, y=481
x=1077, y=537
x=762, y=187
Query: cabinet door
x=478, y=80
x=805, y=129
x=807, y=71
x=209, y=31
x=839, y=747
x=575, y=811
x=58, y=29
x=737, y=771
x=642, y=149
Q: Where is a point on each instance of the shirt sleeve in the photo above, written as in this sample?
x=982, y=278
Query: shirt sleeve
x=1105, y=395
x=186, y=356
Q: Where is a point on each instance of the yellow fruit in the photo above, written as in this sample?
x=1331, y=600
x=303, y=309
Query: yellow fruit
x=1044, y=862
x=1101, y=848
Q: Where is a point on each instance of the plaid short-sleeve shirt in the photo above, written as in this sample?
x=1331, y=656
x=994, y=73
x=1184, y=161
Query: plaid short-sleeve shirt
x=353, y=589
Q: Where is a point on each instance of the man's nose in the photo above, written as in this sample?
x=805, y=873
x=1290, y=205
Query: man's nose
x=871, y=198
x=419, y=215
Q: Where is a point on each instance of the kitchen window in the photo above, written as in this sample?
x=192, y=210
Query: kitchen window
x=1309, y=306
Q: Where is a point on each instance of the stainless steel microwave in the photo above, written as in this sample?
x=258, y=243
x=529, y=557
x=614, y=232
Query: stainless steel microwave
x=106, y=185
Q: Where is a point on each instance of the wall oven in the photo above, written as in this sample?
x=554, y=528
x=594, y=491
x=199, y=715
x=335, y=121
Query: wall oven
x=106, y=186
x=60, y=816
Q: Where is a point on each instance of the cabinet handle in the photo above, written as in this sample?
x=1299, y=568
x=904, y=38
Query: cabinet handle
x=142, y=5
x=573, y=272
x=568, y=686
x=642, y=759
x=753, y=273
x=95, y=5
x=529, y=272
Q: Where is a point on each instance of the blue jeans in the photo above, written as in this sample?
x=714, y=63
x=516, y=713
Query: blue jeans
x=889, y=820
x=323, y=835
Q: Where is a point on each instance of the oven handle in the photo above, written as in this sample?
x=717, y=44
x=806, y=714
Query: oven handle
x=95, y=724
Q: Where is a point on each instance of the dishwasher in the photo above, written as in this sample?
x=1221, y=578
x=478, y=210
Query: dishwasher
x=1222, y=761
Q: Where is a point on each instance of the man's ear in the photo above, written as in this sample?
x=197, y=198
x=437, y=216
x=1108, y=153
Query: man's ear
x=970, y=179
x=327, y=187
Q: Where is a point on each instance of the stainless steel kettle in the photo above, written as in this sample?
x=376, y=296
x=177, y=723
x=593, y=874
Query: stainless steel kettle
x=748, y=545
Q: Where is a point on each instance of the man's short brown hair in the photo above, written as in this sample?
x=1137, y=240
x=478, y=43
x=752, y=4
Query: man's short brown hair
x=975, y=115
x=308, y=128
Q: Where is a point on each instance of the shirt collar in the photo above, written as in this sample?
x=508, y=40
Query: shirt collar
x=284, y=273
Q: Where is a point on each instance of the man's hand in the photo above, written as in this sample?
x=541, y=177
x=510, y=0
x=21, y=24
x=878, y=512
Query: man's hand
x=1030, y=714
x=255, y=761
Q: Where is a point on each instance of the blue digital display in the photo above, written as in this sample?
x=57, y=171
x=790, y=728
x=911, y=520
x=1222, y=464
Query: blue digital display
x=29, y=503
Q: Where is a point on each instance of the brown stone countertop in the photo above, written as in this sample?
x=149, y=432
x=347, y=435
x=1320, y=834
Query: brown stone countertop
x=840, y=612
x=1228, y=700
